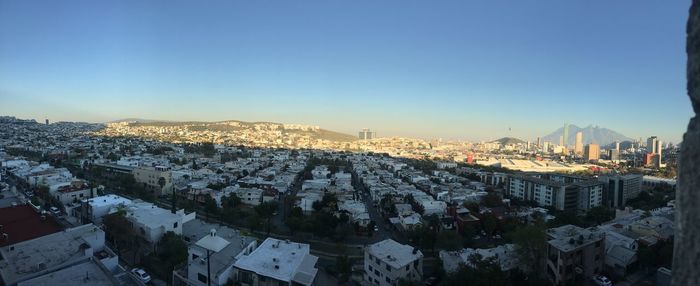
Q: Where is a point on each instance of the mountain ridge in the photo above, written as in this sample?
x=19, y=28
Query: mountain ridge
x=591, y=134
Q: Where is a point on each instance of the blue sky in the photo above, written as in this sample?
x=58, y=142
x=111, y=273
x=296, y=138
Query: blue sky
x=451, y=69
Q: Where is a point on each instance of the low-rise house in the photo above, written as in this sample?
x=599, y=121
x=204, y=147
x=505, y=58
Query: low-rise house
x=388, y=261
x=33, y=258
x=152, y=222
x=277, y=262
x=94, y=209
x=233, y=245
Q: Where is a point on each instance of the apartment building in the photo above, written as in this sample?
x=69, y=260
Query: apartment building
x=560, y=192
x=621, y=188
x=388, y=261
x=574, y=254
x=150, y=178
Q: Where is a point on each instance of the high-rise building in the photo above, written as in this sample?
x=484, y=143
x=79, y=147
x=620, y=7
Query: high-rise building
x=617, y=146
x=566, y=135
x=561, y=140
x=47, y=121
x=367, y=134
x=619, y=189
x=578, y=147
x=654, y=146
x=545, y=147
x=539, y=142
x=614, y=155
x=592, y=152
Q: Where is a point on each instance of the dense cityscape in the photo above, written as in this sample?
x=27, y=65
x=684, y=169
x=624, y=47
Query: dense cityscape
x=350, y=143
x=161, y=203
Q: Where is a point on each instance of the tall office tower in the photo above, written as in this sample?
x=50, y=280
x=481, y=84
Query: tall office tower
x=592, y=152
x=529, y=145
x=561, y=140
x=545, y=147
x=614, y=155
x=566, y=135
x=617, y=146
x=366, y=134
x=578, y=147
x=651, y=144
x=47, y=121
x=539, y=142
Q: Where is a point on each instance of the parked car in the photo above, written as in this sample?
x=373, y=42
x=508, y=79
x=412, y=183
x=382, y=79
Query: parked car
x=141, y=275
x=55, y=211
x=602, y=280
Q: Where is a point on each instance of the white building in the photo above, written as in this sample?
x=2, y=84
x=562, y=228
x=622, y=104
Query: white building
x=250, y=196
x=152, y=222
x=95, y=209
x=388, y=261
x=34, y=258
x=233, y=246
x=277, y=262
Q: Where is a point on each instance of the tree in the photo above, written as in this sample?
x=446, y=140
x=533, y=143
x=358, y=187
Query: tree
x=489, y=222
x=343, y=266
x=119, y=229
x=531, y=244
x=211, y=209
x=492, y=200
x=647, y=257
x=448, y=240
x=599, y=215
x=173, y=250
x=266, y=211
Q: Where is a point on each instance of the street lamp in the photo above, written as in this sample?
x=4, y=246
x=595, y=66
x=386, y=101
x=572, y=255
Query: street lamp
x=213, y=244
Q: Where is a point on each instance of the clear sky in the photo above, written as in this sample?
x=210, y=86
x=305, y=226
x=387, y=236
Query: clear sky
x=450, y=69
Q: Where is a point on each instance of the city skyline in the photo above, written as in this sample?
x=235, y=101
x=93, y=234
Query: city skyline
x=449, y=70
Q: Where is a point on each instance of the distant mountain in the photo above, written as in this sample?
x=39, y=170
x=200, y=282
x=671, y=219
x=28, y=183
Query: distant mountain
x=136, y=120
x=591, y=134
x=235, y=126
x=509, y=141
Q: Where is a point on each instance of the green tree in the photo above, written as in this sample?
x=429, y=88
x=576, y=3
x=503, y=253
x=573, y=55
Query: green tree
x=172, y=250
x=531, y=244
x=266, y=211
x=211, y=209
x=448, y=240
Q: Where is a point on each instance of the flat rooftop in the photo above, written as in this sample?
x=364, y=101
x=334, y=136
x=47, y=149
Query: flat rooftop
x=22, y=223
x=194, y=230
x=87, y=273
x=281, y=260
x=563, y=236
x=393, y=253
x=108, y=200
x=47, y=252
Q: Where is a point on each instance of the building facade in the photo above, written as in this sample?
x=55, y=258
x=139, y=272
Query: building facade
x=388, y=261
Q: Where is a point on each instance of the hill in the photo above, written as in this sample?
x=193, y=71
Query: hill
x=591, y=134
x=509, y=141
x=235, y=126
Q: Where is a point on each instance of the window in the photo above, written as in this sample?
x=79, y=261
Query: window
x=202, y=278
x=376, y=272
x=387, y=280
x=407, y=265
x=194, y=256
x=370, y=268
x=175, y=225
x=388, y=268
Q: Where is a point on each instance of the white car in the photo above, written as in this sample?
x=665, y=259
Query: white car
x=141, y=274
x=55, y=211
x=602, y=280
